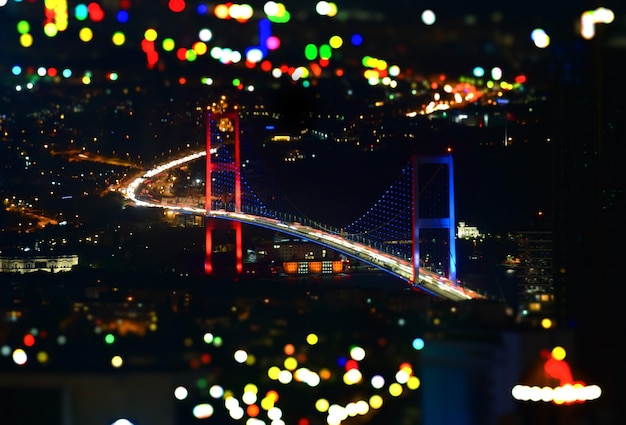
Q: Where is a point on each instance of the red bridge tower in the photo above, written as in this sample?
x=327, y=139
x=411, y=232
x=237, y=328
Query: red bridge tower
x=222, y=132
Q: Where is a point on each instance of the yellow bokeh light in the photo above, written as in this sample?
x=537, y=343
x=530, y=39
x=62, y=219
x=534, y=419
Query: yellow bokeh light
x=558, y=353
x=335, y=42
x=85, y=34
x=546, y=323
x=267, y=403
x=272, y=395
x=200, y=48
x=168, y=44
x=118, y=38
x=50, y=29
x=61, y=24
x=221, y=11
x=251, y=388
x=406, y=368
x=322, y=405
x=332, y=9
x=116, y=361
x=26, y=40
x=395, y=389
x=273, y=373
x=370, y=74
x=291, y=363
x=369, y=61
x=42, y=357
x=413, y=383
x=312, y=339
x=376, y=402
x=150, y=34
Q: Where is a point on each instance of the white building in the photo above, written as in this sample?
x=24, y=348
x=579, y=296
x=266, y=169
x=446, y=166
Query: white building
x=29, y=264
x=466, y=232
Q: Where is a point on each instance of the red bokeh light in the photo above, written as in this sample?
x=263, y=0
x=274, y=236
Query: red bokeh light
x=176, y=5
x=29, y=340
x=96, y=13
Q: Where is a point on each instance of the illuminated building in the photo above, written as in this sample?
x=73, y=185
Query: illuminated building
x=299, y=257
x=463, y=231
x=52, y=263
x=536, y=275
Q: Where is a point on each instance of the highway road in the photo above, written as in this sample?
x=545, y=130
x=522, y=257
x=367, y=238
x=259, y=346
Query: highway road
x=427, y=280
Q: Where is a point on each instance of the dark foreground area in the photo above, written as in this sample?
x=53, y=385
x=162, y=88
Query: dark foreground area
x=86, y=347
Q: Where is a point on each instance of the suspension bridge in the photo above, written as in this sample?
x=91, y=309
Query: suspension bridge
x=409, y=232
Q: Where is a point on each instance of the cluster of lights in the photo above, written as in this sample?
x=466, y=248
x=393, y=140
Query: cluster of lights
x=255, y=404
x=276, y=12
x=590, y=18
x=57, y=18
x=154, y=44
x=239, y=12
x=588, y=21
x=378, y=70
x=566, y=392
x=20, y=355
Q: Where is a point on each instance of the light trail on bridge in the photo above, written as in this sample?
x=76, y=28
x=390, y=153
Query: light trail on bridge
x=428, y=281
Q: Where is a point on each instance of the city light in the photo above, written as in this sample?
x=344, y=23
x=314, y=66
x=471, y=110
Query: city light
x=556, y=384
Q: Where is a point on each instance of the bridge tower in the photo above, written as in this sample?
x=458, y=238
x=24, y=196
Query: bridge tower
x=223, y=162
x=425, y=170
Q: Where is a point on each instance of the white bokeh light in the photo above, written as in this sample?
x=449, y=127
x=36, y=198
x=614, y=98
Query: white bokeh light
x=428, y=17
